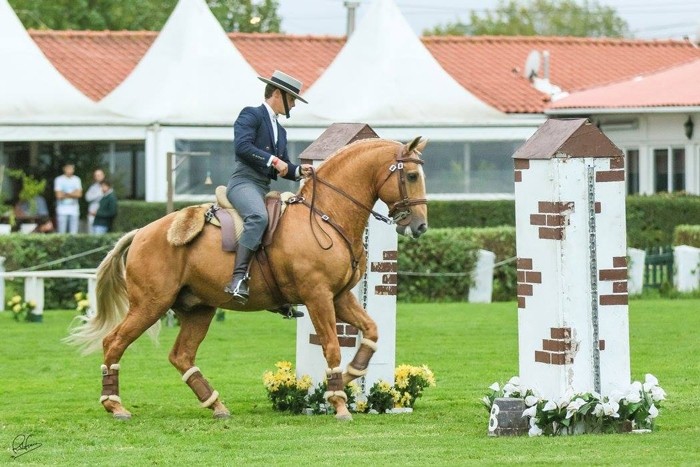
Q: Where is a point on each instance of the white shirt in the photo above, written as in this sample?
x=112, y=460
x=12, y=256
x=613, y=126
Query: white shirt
x=273, y=120
x=67, y=206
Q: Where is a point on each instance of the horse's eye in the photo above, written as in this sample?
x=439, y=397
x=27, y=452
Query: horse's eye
x=412, y=177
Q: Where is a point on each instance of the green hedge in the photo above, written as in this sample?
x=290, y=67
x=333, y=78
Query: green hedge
x=135, y=214
x=650, y=219
x=450, y=251
x=454, y=251
x=442, y=214
x=687, y=235
x=24, y=251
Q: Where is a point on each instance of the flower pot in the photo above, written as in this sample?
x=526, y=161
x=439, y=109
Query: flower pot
x=27, y=228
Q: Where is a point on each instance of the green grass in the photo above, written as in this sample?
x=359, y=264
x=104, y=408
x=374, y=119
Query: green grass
x=50, y=392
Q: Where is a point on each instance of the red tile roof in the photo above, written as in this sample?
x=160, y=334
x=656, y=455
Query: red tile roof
x=304, y=57
x=492, y=67
x=673, y=87
x=488, y=66
x=94, y=61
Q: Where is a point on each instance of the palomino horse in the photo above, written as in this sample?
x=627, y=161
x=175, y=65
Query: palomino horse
x=317, y=256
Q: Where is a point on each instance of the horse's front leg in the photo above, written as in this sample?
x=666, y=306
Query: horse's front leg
x=349, y=310
x=322, y=314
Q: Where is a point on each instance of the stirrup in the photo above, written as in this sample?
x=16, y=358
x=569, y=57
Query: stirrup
x=239, y=295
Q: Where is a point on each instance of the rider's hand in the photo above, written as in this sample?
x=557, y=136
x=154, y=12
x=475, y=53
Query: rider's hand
x=306, y=170
x=281, y=167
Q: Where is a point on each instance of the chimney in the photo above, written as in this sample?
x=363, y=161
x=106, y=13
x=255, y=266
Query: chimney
x=352, y=7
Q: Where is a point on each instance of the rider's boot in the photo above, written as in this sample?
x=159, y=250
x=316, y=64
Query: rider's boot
x=238, y=287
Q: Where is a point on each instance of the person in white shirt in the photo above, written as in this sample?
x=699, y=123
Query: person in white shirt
x=68, y=189
x=93, y=195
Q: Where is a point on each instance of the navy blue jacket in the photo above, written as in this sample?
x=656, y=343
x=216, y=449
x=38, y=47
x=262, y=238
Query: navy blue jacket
x=254, y=145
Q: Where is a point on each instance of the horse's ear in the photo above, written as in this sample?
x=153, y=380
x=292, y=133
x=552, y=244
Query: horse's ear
x=417, y=144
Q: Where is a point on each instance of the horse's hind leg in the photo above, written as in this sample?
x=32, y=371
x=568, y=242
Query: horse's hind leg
x=349, y=310
x=114, y=344
x=194, y=324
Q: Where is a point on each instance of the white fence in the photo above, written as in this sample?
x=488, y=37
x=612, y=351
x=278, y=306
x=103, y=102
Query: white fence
x=34, y=283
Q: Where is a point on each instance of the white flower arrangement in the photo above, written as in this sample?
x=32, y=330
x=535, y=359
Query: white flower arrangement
x=636, y=408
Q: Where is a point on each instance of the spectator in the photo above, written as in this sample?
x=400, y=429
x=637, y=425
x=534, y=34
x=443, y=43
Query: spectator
x=93, y=195
x=107, y=210
x=68, y=189
x=25, y=209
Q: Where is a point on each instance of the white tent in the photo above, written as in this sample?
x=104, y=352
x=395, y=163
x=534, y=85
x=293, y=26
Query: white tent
x=192, y=74
x=384, y=75
x=32, y=91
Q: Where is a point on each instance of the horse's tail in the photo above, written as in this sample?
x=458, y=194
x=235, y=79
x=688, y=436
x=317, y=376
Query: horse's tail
x=112, y=302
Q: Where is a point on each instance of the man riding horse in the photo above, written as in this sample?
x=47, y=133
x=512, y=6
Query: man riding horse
x=261, y=155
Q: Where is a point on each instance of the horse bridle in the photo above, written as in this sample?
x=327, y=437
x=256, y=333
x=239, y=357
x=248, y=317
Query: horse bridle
x=401, y=209
x=398, y=211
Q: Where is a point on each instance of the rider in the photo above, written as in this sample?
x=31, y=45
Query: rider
x=261, y=155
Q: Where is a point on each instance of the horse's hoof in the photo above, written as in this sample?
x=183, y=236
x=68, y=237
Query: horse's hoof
x=344, y=418
x=122, y=416
x=222, y=415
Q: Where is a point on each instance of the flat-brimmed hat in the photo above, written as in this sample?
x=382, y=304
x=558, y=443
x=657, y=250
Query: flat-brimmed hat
x=285, y=83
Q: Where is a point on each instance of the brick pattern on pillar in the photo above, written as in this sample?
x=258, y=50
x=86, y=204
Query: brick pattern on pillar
x=616, y=172
x=617, y=275
x=552, y=218
x=388, y=268
x=557, y=349
x=520, y=165
x=527, y=277
x=347, y=335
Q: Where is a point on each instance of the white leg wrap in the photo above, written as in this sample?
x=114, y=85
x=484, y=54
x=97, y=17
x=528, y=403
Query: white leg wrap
x=328, y=394
x=371, y=344
x=189, y=373
x=110, y=398
x=330, y=371
x=354, y=372
x=211, y=400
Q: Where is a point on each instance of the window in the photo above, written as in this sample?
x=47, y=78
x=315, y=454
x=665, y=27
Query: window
x=470, y=167
x=669, y=172
x=632, y=164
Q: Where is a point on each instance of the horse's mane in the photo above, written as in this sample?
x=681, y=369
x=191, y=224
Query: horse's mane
x=338, y=156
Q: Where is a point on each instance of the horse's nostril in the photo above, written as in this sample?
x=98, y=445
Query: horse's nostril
x=422, y=228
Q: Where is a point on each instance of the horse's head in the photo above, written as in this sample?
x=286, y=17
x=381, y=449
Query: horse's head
x=403, y=190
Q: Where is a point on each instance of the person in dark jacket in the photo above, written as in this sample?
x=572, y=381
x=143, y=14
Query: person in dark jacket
x=107, y=210
x=261, y=155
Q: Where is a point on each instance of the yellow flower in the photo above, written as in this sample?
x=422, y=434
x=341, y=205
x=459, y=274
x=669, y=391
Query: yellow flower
x=32, y=304
x=361, y=406
x=16, y=299
x=284, y=365
x=78, y=296
x=82, y=304
x=17, y=308
x=304, y=383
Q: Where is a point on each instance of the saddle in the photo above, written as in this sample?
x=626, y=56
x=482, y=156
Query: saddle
x=231, y=223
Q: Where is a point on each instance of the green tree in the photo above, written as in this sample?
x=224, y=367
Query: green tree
x=136, y=15
x=541, y=18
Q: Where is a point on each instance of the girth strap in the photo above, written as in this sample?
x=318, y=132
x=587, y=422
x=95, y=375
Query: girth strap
x=269, y=276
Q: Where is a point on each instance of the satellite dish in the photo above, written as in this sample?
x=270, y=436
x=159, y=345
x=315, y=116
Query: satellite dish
x=532, y=65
